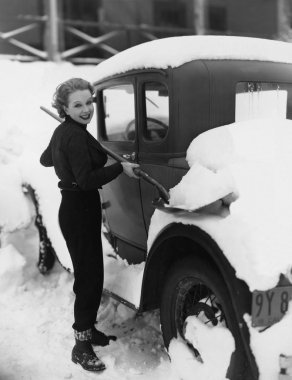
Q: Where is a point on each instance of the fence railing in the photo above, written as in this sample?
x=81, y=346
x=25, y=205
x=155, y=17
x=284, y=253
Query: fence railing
x=10, y=38
x=55, y=31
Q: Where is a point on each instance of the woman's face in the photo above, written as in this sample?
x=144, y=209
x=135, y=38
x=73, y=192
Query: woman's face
x=80, y=106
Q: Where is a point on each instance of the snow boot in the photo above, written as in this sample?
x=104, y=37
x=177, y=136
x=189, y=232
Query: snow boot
x=83, y=354
x=98, y=338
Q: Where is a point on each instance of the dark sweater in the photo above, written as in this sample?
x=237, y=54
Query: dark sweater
x=78, y=158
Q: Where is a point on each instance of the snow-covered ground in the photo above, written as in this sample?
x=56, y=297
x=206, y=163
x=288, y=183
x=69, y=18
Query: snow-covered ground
x=35, y=324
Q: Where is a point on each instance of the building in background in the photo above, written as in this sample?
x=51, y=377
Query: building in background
x=96, y=29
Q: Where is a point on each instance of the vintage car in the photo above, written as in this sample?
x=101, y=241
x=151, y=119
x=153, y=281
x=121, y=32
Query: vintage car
x=152, y=101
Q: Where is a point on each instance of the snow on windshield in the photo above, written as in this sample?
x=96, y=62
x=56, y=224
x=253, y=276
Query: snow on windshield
x=175, y=51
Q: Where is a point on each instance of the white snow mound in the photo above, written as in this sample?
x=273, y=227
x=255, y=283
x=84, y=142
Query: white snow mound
x=11, y=266
x=215, y=345
x=254, y=159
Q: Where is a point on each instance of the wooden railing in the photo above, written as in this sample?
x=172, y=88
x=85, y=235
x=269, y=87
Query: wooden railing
x=57, y=29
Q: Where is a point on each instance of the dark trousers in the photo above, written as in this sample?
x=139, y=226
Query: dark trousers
x=80, y=223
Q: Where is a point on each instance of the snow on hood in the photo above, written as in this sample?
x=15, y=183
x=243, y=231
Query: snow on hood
x=256, y=159
x=175, y=51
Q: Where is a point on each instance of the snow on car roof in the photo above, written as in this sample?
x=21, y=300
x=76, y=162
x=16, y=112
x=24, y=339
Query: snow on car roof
x=175, y=51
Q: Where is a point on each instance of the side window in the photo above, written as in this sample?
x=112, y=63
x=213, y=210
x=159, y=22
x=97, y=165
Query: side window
x=157, y=111
x=256, y=100
x=119, y=111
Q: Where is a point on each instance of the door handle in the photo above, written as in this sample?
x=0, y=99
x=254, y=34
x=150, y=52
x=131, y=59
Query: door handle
x=131, y=156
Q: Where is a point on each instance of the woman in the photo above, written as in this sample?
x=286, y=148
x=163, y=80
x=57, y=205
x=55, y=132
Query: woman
x=79, y=160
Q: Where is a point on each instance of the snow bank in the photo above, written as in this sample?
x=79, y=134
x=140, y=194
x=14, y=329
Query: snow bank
x=11, y=266
x=19, y=215
x=215, y=345
x=25, y=132
x=175, y=51
x=268, y=345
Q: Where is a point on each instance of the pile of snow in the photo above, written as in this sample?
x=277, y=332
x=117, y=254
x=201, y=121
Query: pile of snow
x=202, y=186
x=175, y=51
x=36, y=335
x=11, y=266
x=270, y=344
x=256, y=159
x=215, y=346
x=24, y=134
x=12, y=194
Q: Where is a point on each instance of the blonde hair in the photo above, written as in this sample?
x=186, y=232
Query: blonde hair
x=61, y=95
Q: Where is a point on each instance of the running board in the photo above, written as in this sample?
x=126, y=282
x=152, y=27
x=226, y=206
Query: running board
x=121, y=300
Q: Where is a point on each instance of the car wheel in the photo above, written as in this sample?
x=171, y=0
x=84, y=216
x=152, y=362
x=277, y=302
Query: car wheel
x=195, y=288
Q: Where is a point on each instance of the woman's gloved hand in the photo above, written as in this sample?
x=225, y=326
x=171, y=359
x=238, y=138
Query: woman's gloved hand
x=128, y=169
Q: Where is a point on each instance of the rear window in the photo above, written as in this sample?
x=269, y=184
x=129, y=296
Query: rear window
x=256, y=100
x=157, y=111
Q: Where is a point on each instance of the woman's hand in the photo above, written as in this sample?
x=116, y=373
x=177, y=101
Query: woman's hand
x=128, y=169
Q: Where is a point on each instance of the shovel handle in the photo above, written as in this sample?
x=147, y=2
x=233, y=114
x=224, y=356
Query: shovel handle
x=139, y=172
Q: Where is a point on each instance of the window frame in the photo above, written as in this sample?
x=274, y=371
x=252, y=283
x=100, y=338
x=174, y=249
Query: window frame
x=144, y=79
x=143, y=127
x=260, y=82
x=101, y=125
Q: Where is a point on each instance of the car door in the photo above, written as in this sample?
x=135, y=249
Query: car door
x=156, y=145
x=117, y=115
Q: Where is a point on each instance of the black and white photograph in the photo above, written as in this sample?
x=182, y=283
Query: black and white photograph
x=146, y=189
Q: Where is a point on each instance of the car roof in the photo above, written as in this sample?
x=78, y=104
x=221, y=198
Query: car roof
x=173, y=52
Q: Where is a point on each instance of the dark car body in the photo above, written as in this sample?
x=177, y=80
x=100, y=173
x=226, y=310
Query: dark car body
x=201, y=96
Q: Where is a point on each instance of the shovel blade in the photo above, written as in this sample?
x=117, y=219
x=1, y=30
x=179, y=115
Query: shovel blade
x=219, y=207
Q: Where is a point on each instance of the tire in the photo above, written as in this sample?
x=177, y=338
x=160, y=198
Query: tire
x=191, y=280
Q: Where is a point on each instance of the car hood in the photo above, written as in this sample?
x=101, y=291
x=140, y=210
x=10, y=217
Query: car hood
x=252, y=159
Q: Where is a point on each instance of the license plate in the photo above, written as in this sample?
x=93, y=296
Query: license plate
x=268, y=307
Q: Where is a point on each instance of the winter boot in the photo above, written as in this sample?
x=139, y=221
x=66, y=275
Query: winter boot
x=98, y=338
x=83, y=353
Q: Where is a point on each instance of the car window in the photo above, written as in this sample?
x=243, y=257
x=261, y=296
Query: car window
x=256, y=100
x=119, y=112
x=157, y=111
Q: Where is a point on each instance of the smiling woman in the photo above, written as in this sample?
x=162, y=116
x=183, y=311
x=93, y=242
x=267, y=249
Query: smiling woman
x=79, y=162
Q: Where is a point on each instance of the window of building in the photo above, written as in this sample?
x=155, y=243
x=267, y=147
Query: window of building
x=157, y=111
x=217, y=15
x=169, y=13
x=119, y=113
x=255, y=100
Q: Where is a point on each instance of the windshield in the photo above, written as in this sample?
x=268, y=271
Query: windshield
x=256, y=100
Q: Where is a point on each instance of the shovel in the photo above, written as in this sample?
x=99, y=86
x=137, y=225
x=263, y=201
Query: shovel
x=218, y=207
